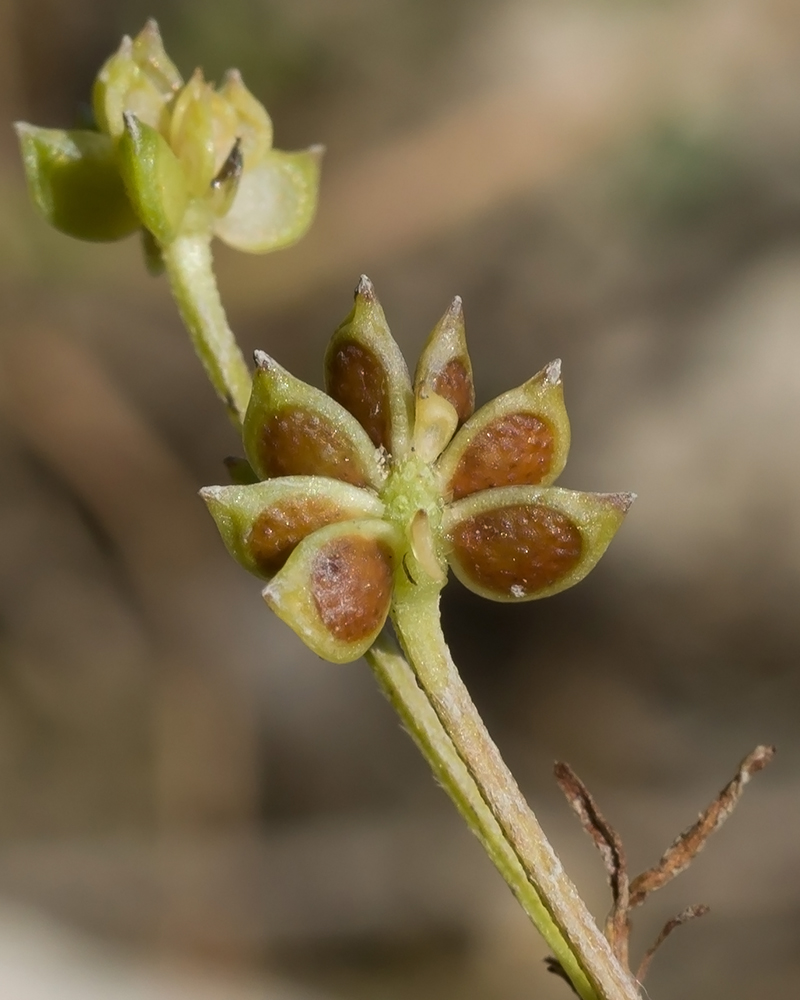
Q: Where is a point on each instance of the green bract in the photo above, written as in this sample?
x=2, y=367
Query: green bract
x=373, y=488
x=172, y=158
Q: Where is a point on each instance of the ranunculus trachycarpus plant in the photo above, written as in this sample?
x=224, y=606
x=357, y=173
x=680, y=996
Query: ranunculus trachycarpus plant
x=353, y=502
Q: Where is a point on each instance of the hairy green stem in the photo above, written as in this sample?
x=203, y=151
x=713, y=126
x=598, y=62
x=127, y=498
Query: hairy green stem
x=495, y=807
x=190, y=270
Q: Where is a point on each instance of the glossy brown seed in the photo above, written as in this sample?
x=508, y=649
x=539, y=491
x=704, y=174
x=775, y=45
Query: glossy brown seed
x=513, y=450
x=351, y=582
x=356, y=379
x=277, y=531
x=454, y=383
x=518, y=550
x=296, y=442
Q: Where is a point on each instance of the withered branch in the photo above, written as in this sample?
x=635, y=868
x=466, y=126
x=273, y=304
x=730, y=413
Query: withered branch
x=609, y=844
x=625, y=894
x=690, y=913
x=688, y=845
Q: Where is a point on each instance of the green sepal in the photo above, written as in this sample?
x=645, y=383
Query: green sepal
x=367, y=374
x=275, y=202
x=293, y=429
x=154, y=179
x=335, y=590
x=262, y=523
x=75, y=182
x=503, y=559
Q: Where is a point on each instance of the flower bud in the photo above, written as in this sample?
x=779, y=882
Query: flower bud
x=178, y=147
x=202, y=130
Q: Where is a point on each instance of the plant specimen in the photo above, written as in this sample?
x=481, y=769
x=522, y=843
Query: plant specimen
x=353, y=502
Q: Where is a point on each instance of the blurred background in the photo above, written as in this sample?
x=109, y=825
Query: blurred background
x=191, y=804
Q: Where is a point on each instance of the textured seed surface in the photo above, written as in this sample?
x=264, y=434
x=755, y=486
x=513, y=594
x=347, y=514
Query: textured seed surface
x=351, y=582
x=513, y=450
x=454, y=383
x=356, y=380
x=297, y=442
x=517, y=550
x=277, y=531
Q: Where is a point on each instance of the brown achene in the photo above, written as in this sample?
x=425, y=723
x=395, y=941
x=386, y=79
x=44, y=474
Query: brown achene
x=517, y=550
x=454, y=383
x=514, y=450
x=297, y=442
x=351, y=583
x=356, y=379
x=280, y=529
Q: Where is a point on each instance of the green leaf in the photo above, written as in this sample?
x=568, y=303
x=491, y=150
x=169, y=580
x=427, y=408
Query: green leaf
x=154, y=179
x=275, y=203
x=75, y=183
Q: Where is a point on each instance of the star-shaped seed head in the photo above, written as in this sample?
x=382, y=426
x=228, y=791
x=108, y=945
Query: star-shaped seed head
x=171, y=157
x=353, y=497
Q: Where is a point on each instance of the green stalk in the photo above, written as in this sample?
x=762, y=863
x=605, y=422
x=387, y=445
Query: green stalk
x=189, y=267
x=490, y=800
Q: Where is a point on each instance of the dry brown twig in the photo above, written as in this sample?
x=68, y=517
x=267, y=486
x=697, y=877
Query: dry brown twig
x=626, y=894
x=608, y=843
